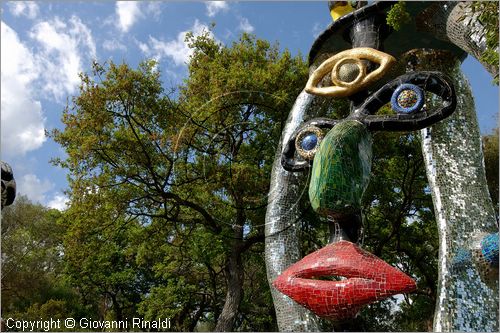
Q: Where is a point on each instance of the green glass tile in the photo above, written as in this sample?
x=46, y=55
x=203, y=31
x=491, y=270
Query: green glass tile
x=341, y=169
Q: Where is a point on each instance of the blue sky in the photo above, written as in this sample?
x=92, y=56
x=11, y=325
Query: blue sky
x=45, y=45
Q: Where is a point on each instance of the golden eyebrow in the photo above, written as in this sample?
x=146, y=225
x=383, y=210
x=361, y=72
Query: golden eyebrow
x=336, y=63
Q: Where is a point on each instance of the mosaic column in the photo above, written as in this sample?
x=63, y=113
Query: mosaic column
x=454, y=22
x=282, y=216
x=467, y=297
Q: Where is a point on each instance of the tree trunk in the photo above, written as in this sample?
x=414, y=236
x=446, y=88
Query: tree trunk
x=197, y=316
x=234, y=276
x=117, y=308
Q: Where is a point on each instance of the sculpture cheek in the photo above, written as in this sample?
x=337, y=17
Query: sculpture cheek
x=341, y=169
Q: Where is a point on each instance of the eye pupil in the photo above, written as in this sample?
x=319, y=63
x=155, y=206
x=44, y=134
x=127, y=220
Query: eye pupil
x=348, y=72
x=407, y=98
x=309, y=142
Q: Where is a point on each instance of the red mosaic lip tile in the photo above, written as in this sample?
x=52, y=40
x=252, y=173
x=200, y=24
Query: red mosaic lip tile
x=368, y=279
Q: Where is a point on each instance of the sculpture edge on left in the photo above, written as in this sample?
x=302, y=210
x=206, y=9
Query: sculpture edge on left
x=8, y=185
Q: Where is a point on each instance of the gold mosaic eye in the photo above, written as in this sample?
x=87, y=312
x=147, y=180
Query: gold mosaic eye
x=348, y=72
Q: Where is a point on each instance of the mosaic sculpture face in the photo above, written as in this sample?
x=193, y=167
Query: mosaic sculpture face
x=336, y=281
x=339, y=153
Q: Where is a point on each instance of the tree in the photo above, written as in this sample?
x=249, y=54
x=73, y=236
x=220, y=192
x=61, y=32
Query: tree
x=255, y=86
x=33, y=282
x=188, y=177
x=100, y=259
x=490, y=150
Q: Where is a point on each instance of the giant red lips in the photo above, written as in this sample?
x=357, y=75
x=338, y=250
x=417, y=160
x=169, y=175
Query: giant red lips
x=368, y=279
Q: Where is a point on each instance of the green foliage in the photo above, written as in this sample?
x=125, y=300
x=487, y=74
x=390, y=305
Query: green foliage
x=100, y=260
x=397, y=16
x=168, y=194
x=33, y=282
x=188, y=269
x=417, y=316
x=490, y=150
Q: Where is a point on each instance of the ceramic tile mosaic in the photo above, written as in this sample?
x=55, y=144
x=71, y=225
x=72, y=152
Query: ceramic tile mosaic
x=466, y=301
x=283, y=214
x=362, y=278
x=8, y=185
x=341, y=169
x=452, y=21
x=489, y=249
x=407, y=98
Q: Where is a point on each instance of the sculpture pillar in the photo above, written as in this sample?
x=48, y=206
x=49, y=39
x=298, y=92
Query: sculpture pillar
x=282, y=217
x=467, y=297
x=453, y=22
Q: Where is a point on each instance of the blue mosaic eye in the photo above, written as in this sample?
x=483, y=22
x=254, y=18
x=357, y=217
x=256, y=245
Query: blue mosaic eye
x=309, y=142
x=407, y=98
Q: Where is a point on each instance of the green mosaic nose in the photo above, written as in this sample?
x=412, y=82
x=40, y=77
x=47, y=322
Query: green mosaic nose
x=341, y=169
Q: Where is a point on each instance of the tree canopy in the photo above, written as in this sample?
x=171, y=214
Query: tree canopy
x=33, y=281
x=178, y=186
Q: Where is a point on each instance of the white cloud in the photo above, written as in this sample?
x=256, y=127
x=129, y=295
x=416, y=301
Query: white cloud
x=62, y=47
x=17, y=60
x=113, y=45
x=176, y=49
x=153, y=9
x=26, y=8
x=59, y=202
x=128, y=12
x=22, y=119
x=317, y=29
x=215, y=7
x=245, y=25
x=143, y=47
x=50, y=68
x=31, y=186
